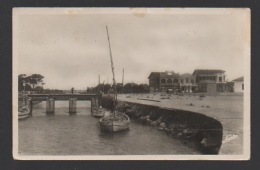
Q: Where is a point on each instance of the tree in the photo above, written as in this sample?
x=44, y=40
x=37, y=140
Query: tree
x=22, y=78
x=130, y=88
x=34, y=79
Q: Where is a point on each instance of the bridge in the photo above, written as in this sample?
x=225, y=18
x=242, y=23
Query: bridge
x=72, y=98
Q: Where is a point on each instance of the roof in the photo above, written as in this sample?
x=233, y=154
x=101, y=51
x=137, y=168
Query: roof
x=163, y=74
x=186, y=75
x=239, y=79
x=168, y=74
x=205, y=71
x=154, y=74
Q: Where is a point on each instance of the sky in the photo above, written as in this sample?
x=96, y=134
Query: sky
x=70, y=47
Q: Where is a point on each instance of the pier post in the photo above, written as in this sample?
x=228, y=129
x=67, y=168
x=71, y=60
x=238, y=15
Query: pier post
x=99, y=100
x=50, y=106
x=93, y=103
x=72, y=105
x=97, y=103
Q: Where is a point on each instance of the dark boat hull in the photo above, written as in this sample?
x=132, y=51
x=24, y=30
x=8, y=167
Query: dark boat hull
x=112, y=125
x=98, y=112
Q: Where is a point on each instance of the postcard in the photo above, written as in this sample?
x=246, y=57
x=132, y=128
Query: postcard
x=131, y=83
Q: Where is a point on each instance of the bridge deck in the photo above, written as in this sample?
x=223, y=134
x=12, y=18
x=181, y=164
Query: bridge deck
x=62, y=97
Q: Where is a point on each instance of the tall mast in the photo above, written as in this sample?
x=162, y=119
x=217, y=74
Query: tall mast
x=112, y=66
x=123, y=80
x=123, y=77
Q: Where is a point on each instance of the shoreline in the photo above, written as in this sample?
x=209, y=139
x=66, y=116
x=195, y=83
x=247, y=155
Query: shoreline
x=225, y=108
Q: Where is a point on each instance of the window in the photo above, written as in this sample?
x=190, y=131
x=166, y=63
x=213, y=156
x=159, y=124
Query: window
x=175, y=81
x=169, y=81
x=220, y=79
x=163, y=81
x=243, y=86
x=187, y=80
x=181, y=81
x=192, y=81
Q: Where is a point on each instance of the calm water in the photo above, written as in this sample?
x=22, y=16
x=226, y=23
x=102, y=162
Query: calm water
x=62, y=134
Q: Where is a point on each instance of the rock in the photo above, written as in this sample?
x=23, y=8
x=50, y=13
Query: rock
x=144, y=117
x=139, y=113
x=159, y=120
x=162, y=126
x=134, y=108
x=180, y=134
x=154, y=123
x=149, y=121
x=188, y=133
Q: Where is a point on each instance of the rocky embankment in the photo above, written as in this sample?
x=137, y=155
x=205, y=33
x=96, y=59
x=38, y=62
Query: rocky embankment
x=194, y=129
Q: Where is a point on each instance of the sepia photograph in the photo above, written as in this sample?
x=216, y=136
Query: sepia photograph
x=131, y=83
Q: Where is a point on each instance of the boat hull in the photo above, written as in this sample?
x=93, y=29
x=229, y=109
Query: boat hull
x=98, y=112
x=23, y=113
x=114, y=125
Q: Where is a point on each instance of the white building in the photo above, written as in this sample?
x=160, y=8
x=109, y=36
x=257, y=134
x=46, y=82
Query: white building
x=239, y=85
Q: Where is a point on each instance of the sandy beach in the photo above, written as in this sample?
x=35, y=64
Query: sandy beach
x=226, y=108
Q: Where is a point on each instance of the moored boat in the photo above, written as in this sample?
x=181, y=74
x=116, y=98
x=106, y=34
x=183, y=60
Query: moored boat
x=23, y=113
x=115, y=123
x=98, y=111
x=116, y=120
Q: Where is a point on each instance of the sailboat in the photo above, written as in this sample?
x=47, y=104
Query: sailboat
x=116, y=120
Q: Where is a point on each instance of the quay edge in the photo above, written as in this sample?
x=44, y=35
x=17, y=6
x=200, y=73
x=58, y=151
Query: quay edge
x=194, y=129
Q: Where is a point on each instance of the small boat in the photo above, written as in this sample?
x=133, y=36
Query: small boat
x=98, y=111
x=115, y=123
x=23, y=113
x=116, y=120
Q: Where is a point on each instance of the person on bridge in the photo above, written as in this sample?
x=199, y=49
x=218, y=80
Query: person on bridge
x=72, y=90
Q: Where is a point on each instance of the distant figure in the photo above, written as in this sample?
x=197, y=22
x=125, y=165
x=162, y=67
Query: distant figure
x=72, y=90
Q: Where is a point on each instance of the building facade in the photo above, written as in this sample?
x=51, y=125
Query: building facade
x=204, y=81
x=210, y=81
x=188, y=83
x=154, y=82
x=164, y=81
x=239, y=85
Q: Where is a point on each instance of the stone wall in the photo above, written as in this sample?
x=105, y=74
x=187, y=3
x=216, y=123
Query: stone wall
x=194, y=129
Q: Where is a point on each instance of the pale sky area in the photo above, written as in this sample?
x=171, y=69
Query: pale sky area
x=71, y=49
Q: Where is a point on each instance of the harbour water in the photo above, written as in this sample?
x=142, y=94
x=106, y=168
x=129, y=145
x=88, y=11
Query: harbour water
x=79, y=134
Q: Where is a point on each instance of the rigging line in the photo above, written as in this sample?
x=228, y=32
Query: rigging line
x=112, y=66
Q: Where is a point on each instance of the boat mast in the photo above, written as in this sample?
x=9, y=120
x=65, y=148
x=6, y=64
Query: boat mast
x=112, y=66
x=123, y=80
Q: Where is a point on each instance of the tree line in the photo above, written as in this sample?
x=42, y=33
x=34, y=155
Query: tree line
x=32, y=82
x=35, y=82
x=127, y=88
